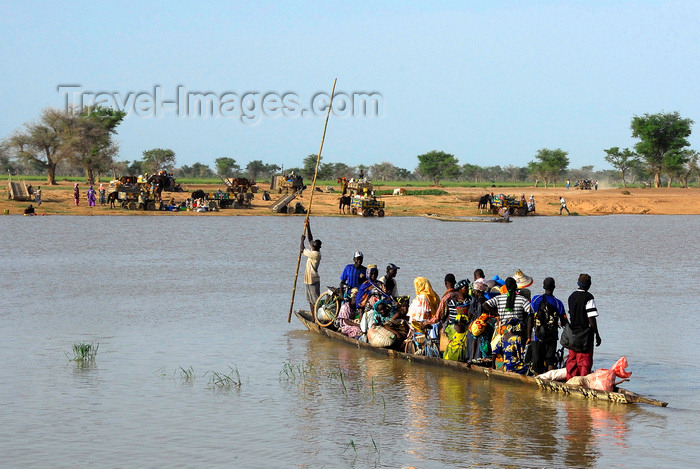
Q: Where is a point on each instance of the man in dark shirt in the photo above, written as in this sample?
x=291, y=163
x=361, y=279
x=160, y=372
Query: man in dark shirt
x=582, y=315
x=542, y=337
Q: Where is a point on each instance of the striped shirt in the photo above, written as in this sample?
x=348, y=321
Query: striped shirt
x=581, y=307
x=521, y=309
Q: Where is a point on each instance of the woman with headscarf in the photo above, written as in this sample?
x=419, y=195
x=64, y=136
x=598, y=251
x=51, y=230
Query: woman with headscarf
x=91, y=197
x=347, y=317
x=76, y=194
x=371, y=290
x=103, y=194
x=424, y=306
x=481, y=323
x=509, y=306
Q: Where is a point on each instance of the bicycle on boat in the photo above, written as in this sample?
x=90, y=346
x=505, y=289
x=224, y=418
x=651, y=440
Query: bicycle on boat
x=327, y=307
x=419, y=341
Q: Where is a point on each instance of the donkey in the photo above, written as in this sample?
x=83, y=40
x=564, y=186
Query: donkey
x=343, y=203
x=112, y=198
x=483, y=201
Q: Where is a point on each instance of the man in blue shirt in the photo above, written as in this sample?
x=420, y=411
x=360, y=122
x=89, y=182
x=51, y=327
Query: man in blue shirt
x=353, y=274
x=542, y=325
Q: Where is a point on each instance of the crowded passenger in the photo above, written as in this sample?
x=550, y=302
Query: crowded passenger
x=542, y=327
x=450, y=296
x=389, y=280
x=371, y=290
x=354, y=274
x=477, y=330
x=423, y=308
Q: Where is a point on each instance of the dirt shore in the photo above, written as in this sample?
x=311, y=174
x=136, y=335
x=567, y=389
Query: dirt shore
x=459, y=201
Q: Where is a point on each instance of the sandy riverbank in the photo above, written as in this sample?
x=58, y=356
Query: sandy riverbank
x=460, y=201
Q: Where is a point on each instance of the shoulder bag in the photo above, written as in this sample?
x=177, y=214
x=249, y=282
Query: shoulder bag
x=578, y=340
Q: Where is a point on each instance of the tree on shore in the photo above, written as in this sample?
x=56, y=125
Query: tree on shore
x=40, y=144
x=661, y=136
x=622, y=161
x=383, y=171
x=90, y=139
x=438, y=165
x=227, y=167
x=157, y=159
x=689, y=167
x=551, y=166
x=256, y=168
x=309, y=164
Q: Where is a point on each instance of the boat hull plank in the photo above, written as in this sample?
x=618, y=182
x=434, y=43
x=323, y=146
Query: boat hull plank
x=621, y=395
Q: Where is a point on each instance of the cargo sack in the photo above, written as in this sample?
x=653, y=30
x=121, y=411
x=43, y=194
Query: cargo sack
x=604, y=380
x=380, y=337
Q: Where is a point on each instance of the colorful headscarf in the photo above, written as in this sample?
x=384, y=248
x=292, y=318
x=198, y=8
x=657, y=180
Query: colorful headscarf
x=479, y=285
x=424, y=288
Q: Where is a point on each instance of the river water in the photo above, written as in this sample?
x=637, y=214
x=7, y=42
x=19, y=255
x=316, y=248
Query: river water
x=173, y=300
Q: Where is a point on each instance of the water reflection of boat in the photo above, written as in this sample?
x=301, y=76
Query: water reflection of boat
x=622, y=396
x=434, y=216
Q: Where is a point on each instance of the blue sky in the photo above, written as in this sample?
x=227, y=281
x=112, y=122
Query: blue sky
x=490, y=82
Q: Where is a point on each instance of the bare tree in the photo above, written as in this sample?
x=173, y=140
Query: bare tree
x=40, y=143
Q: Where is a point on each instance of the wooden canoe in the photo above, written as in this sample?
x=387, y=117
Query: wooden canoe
x=620, y=395
x=434, y=216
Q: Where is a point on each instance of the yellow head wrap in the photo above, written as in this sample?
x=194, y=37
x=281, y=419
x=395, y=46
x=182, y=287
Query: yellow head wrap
x=424, y=288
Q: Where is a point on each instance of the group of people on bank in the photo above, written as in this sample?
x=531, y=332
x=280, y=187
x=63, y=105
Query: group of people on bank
x=91, y=194
x=492, y=321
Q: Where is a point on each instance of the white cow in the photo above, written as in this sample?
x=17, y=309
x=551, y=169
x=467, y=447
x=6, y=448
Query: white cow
x=399, y=191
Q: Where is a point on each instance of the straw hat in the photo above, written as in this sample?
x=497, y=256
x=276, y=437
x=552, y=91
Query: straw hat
x=522, y=280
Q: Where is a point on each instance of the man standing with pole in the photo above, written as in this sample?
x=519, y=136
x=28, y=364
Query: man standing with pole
x=311, y=199
x=312, y=280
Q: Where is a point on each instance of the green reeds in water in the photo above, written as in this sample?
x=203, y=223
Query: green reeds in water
x=291, y=372
x=84, y=352
x=186, y=374
x=222, y=380
x=351, y=444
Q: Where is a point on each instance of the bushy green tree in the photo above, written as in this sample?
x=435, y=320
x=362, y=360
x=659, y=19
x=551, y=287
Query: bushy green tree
x=227, y=167
x=551, y=165
x=90, y=142
x=438, y=165
x=310, y=166
x=157, y=159
x=621, y=160
x=661, y=136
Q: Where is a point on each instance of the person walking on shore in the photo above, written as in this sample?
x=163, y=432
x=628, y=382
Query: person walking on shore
x=76, y=194
x=562, y=201
x=37, y=195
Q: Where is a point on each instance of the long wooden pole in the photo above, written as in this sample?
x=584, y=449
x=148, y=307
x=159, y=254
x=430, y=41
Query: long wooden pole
x=311, y=199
